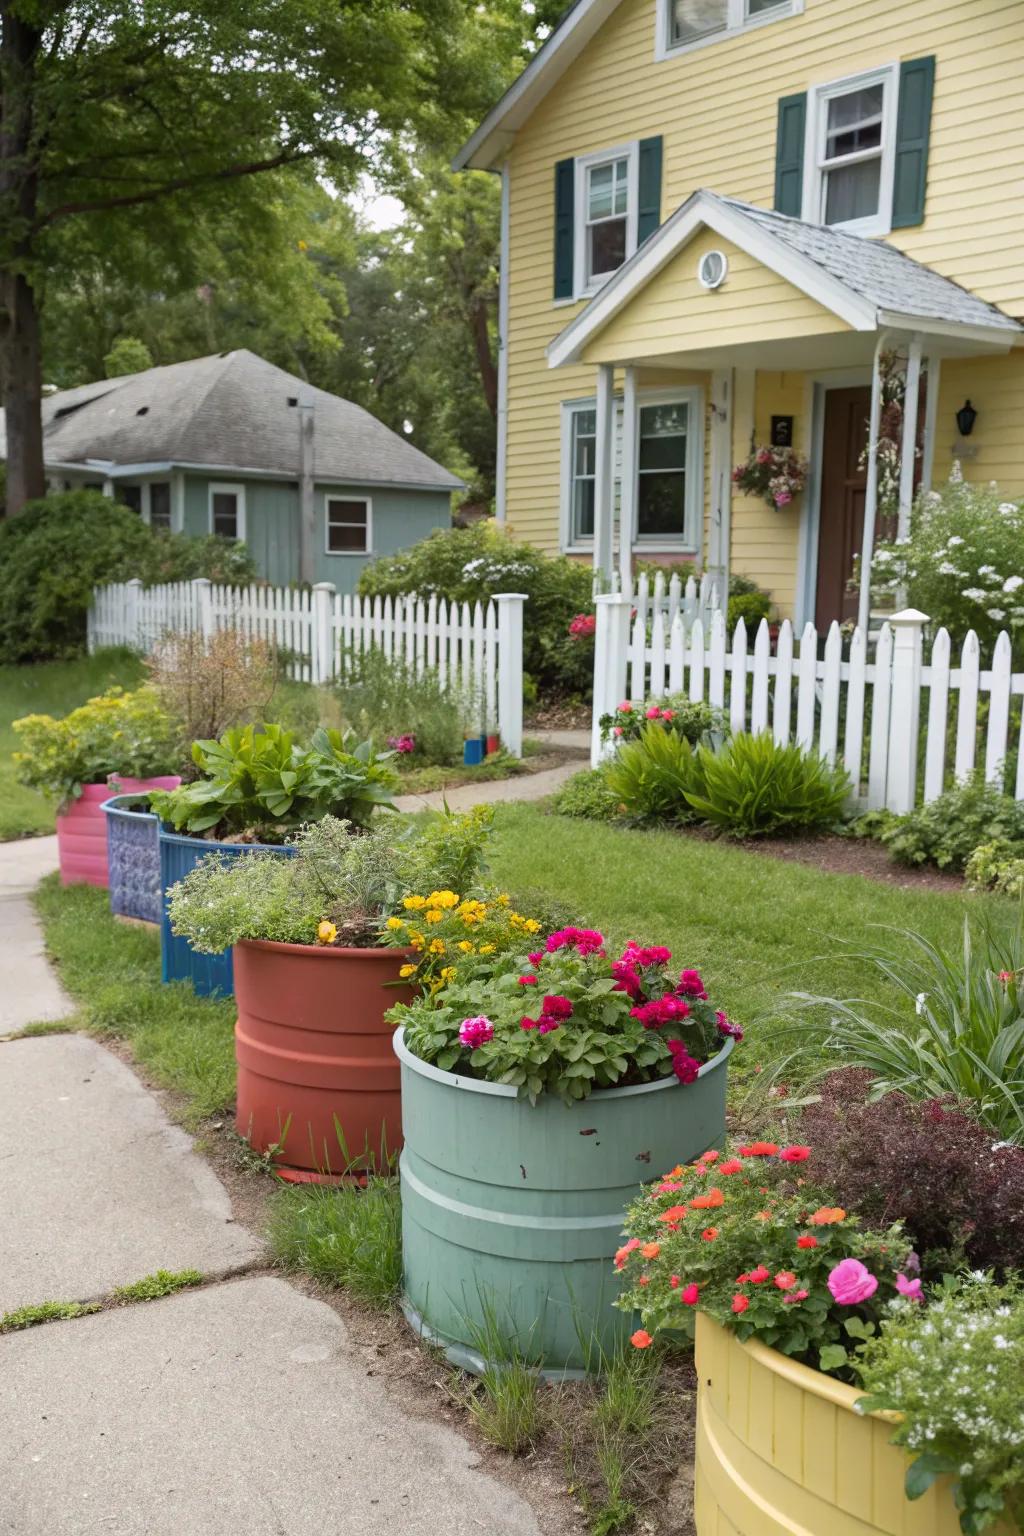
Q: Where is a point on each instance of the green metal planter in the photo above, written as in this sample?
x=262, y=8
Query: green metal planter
x=514, y=1211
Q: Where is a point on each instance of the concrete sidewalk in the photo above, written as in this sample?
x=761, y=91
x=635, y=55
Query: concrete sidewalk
x=30, y=991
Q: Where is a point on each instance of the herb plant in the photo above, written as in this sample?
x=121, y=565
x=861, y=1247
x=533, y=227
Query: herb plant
x=116, y=732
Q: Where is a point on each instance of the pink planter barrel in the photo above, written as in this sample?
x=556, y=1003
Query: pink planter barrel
x=82, y=828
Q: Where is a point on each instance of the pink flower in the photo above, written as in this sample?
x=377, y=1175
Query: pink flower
x=911, y=1289
x=527, y=1023
x=662, y=1010
x=402, y=743
x=586, y=941
x=527, y=981
x=583, y=625
x=689, y=1294
x=690, y=984
x=536, y=958
x=668, y=714
x=795, y=1154
x=557, y=1007
x=782, y=498
x=626, y=979
x=625, y=708
x=654, y=713
x=651, y=954
x=545, y=1025
x=725, y=1028
x=683, y=1064
x=616, y=730
x=476, y=1032
x=851, y=1282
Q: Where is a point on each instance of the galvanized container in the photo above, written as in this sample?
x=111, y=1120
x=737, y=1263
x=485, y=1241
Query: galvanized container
x=208, y=974
x=513, y=1211
x=133, y=857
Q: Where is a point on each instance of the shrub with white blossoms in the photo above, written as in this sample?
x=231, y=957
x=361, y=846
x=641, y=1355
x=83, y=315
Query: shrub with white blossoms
x=963, y=563
x=954, y=1370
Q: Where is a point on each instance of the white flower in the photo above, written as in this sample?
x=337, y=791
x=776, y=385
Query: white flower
x=954, y=541
x=1012, y=583
x=975, y=594
x=946, y=569
x=997, y=614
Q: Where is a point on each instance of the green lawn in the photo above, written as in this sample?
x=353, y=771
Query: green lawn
x=49, y=688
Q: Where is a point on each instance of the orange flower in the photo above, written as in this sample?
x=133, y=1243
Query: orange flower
x=644, y=1280
x=785, y=1279
x=651, y=1250
x=805, y=1240
x=673, y=1216
x=759, y=1149
x=709, y=1157
x=764, y=1215
x=827, y=1216
x=731, y=1165
x=641, y=1339
x=708, y=1202
x=709, y=1234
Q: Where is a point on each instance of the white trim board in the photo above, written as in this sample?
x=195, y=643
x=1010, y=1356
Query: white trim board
x=230, y=488
x=337, y=494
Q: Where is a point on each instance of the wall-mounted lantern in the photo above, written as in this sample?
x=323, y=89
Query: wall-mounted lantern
x=966, y=416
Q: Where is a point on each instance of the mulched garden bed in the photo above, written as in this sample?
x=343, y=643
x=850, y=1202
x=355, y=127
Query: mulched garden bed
x=559, y=716
x=835, y=855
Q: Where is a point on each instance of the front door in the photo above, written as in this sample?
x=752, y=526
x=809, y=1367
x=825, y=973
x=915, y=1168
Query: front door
x=843, y=482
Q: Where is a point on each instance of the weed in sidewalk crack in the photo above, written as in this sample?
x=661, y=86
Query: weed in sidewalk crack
x=163, y=1282
x=45, y=1312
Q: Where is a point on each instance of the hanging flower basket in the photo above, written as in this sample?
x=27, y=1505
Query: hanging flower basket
x=774, y=474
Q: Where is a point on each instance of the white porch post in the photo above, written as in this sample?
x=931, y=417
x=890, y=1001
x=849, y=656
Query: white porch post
x=604, y=474
x=871, y=492
x=627, y=491
x=908, y=446
x=720, y=512
x=931, y=416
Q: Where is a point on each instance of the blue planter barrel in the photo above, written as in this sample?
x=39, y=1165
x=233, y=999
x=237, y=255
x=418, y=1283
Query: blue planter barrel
x=133, y=857
x=208, y=974
x=516, y=1210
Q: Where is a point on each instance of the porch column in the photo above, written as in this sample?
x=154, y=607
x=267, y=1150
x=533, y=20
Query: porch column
x=604, y=475
x=931, y=416
x=909, y=445
x=870, y=492
x=628, y=483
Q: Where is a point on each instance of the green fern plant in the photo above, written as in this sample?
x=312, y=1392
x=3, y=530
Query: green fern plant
x=753, y=787
x=651, y=776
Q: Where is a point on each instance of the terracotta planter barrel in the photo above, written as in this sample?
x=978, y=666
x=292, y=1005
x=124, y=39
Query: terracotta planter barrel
x=82, y=829
x=780, y=1450
x=316, y=1072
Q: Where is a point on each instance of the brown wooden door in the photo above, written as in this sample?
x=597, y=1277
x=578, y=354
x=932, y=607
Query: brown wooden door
x=843, y=481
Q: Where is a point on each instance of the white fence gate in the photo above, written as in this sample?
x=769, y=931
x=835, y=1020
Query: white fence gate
x=477, y=650
x=691, y=598
x=828, y=704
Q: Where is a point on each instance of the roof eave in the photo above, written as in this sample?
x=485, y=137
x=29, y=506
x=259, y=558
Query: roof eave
x=112, y=471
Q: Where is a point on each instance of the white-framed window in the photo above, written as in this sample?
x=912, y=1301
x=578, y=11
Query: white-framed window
x=227, y=510
x=851, y=151
x=670, y=470
x=159, y=509
x=349, y=521
x=686, y=24
x=606, y=204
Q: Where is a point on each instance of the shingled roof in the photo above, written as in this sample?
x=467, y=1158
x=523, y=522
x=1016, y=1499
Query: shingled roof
x=230, y=411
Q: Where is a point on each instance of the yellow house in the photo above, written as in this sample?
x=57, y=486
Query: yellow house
x=722, y=220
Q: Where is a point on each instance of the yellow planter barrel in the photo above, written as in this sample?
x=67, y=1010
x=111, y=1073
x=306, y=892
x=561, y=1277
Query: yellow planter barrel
x=781, y=1452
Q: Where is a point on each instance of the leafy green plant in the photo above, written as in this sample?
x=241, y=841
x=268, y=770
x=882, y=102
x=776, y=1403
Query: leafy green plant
x=959, y=1030
x=997, y=867
x=348, y=1237
x=384, y=697
x=588, y=795
x=116, y=732
x=753, y=788
x=45, y=1312
x=652, y=776
x=948, y=830
x=952, y=1370
x=163, y=1282
x=747, y=601
x=260, y=784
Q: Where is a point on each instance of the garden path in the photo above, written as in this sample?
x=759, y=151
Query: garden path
x=29, y=991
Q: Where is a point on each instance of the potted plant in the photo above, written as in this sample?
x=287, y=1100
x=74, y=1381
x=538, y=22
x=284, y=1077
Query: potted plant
x=258, y=786
x=786, y=1294
x=318, y=1083
x=119, y=740
x=776, y=475
x=538, y=1091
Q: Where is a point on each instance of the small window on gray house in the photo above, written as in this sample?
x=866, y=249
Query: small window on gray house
x=160, y=505
x=348, y=526
x=225, y=514
x=129, y=496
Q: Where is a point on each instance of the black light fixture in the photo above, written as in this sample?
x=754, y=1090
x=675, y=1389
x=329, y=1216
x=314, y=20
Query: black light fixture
x=966, y=416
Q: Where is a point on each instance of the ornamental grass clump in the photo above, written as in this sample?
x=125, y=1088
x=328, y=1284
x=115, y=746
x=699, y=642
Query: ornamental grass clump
x=564, y=1018
x=744, y=1237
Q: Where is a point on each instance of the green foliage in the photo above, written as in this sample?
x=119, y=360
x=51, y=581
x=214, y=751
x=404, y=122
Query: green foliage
x=962, y=564
x=696, y=721
x=653, y=777
x=45, y=1312
x=505, y=1402
x=997, y=867
x=384, y=697
x=127, y=355
x=467, y=564
x=948, y=830
x=117, y=732
x=587, y=795
x=57, y=549
x=747, y=601
x=446, y=851
x=753, y=787
x=350, y=1238
x=162, y=1282
x=952, y=1371
x=260, y=784
x=958, y=1029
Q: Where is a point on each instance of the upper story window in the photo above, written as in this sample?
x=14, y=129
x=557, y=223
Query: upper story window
x=606, y=214
x=851, y=153
x=686, y=24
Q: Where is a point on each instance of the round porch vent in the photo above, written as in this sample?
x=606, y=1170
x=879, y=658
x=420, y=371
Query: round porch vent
x=713, y=269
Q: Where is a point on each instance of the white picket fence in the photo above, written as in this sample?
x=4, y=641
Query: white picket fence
x=476, y=650
x=694, y=600
x=829, y=704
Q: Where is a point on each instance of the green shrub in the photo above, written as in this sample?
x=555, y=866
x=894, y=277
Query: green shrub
x=116, y=732
x=473, y=563
x=752, y=787
x=747, y=601
x=948, y=830
x=587, y=795
x=57, y=549
x=650, y=777
x=997, y=867
x=383, y=697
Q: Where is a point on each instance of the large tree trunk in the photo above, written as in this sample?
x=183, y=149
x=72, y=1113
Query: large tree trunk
x=19, y=191
x=479, y=321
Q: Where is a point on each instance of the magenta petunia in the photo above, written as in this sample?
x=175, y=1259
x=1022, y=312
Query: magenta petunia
x=476, y=1031
x=851, y=1282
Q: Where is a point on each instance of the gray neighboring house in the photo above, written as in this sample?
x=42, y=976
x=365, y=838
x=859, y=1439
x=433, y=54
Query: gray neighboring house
x=230, y=444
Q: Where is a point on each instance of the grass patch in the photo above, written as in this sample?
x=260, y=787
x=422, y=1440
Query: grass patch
x=112, y=971
x=45, y=1312
x=434, y=776
x=346, y=1237
x=49, y=688
x=44, y=1027
x=505, y=1400
x=163, y=1282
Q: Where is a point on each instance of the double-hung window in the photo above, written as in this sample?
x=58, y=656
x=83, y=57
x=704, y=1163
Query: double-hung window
x=852, y=142
x=687, y=23
x=662, y=445
x=349, y=523
x=583, y=454
x=227, y=511
x=160, y=505
x=606, y=220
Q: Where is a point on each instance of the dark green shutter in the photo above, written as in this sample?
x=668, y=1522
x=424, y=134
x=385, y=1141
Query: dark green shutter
x=649, y=178
x=913, y=126
x=565, y=196
x=789, y=154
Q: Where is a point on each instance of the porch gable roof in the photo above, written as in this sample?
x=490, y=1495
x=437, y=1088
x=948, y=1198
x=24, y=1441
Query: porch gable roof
x=864, y=282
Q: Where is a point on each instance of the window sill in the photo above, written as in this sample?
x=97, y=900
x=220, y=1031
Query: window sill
x=347, y=554
x=664, y=51
x=665, y=547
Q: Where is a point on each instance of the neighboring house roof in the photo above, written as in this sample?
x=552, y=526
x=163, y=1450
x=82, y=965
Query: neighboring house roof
x=231, y=411
x=867, y=283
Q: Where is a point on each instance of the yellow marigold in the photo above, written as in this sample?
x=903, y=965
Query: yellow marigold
x=395, y=922
x=437, y=946
x=414, y=903
x=504, y=899
x=433, y=914
x=487, y=949
x=532, y=925
x=326, y=932
x=443, y=899
x=416, y=944
x=448, y=973
x=415, y=936
x=407, y=970
x=466, y=947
